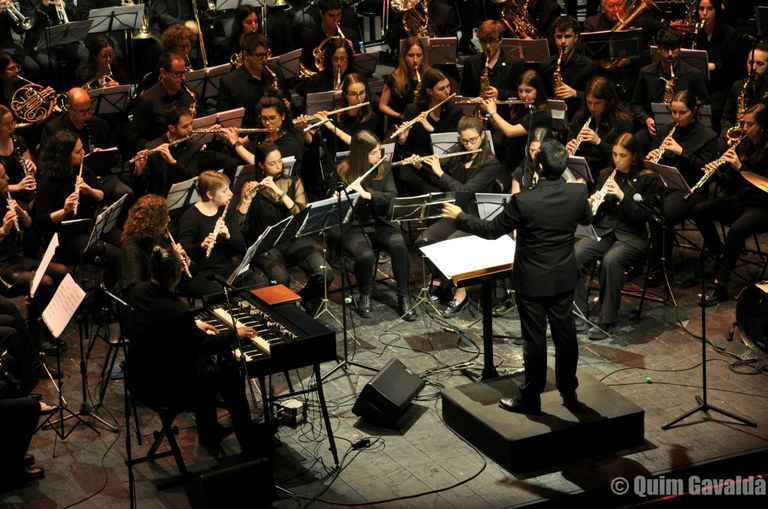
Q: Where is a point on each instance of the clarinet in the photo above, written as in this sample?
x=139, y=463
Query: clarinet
x=20, y=158
x=216, y=229
x=602, y=193
x=716, y=164
x=660, y=154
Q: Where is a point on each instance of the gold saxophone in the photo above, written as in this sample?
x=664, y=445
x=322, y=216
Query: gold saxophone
x=517, y=19
x=485, y=76
x=558, y=74
x=669, y=86
x=736, y=131
x=275, y=85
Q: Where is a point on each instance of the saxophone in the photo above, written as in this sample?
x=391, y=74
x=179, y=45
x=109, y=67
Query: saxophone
x=602, y=193
x=669, y=87
x=736, y=131
x=275, y=85
x=558, y=74
x=485, y=76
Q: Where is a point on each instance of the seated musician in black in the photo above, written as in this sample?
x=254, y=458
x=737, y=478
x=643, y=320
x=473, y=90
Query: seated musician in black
x=338, y=61
x=329, y=26
x=170, y=356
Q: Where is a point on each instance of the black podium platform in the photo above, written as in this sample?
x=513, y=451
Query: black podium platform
x=605, y=422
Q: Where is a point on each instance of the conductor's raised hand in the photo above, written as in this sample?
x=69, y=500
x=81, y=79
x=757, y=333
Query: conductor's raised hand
x=450, y=211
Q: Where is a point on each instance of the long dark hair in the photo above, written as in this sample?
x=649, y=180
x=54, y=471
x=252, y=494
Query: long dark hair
x=89, y=67
x=272, y=101
x=533, y=79
x=614, y=112
x=54, y=154
x=474, y=123
x=365, y=111
x=428, y=81
x=330, y=49
x=630, y=142
x=241, y=13
x=357, y=163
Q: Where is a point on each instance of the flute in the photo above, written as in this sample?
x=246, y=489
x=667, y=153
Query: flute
x=408, y=123
x=216, y=229
x=303, y=119
x=602, y=193
x=77, y=186
x=417, y=159
x=158, y=149
x=240, y=130
x=715, y=165
x=11, y=203
x=478, y=100
x=365, y=175
x=184, y=263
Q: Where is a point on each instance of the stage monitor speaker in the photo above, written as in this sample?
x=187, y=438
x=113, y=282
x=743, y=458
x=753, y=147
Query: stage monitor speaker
x=388, y=395
x=247, y=485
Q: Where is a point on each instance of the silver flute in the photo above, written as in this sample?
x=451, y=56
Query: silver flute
x=77, y=186
x=11, y=203
x=217, y=230
x=158, y=149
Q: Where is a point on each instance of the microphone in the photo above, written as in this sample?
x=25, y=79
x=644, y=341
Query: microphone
x=655, y=213
x=750, y=38
x=217, y=278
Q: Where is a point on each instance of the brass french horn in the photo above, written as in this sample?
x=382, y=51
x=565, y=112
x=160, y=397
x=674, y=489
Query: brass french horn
x=33, y=103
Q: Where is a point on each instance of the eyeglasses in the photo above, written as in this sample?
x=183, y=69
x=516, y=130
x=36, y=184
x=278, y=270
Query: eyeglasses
x=356, y=94
x=83, y=111
x=669, y=50
x=269, y=118
x=339, y=59
x=106, y=55
x=178, y=74
x=469, y=141
x=489, y=40
x=260, y=55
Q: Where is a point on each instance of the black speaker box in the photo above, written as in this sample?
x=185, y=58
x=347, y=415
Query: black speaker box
x=388, y=395
x=247, y=485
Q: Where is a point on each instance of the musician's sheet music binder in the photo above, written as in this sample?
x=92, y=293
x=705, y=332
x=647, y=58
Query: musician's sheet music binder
x=442, y=50
x=105, y=222
x=289, y=63
x=663, y=116
x=462, y=255
x=417, y=208
x=65, y=33
x=533, y=51
x=324, y=214
x=579, y=168
x=670, y=177
x=443, y=142
x=228, y=118
x=697, y=58
x=182, y=194
x=490, y=205
x=110, y=100
x=63, y=305
x=111, y=19
x=43, y=266
x=366, y=63
x=610, y=45
x=205, y=82
x=322, y=101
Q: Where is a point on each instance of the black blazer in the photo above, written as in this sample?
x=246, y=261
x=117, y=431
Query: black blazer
x=503, y=75
x=545, y=219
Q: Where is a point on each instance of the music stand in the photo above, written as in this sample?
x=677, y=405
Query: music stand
x=559, y=111
x=289, y=63
x=109, y=100
x=761, y=20
x=663, y=115
x=442, y=50
x=321, y=101
x=696, y=58
x=266, y=241
x=610, y=45
x=533, y=51
x=490, y=205
x=228, y=118
x=182, y=194
x=59, y=35
x=471, y=260
x=366, y=63
x=579, y=168
x=205, y=82
x=111, y=19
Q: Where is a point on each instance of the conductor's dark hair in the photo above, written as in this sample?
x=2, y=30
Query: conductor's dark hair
x=552, y=158
x=164, y=265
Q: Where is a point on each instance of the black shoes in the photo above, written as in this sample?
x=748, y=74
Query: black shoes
x=580, y=323
x=601, y=331
x=454, y=307
x=570, y=400
x=364, y=306
x=520, y=405
x=714, y=294
x=503, y=307
x=405, y=308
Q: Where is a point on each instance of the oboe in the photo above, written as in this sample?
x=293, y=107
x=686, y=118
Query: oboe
x=715, y=165
x=417, y=159
x=578, y=138
x=216, y=230
x=602, y=193
x=11, y=203
x=408, y=123
x=77, y=186
x=183, y=260
x=158, y=149
x=660, y=154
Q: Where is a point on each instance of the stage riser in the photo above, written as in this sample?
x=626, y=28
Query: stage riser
x=606, y=423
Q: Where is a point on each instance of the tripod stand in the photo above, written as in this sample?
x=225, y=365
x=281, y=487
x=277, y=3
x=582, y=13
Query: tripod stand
x=703, y=404
x=324, y=308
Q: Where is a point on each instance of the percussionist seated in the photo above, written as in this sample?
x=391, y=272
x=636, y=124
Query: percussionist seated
x=171, y=354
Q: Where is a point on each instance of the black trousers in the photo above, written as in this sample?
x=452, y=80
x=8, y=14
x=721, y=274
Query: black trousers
x=18, y=419
x=534, y=314
x=304, y=253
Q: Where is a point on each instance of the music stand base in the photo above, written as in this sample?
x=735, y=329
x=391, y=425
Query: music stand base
x=345, y=364
x=706, y=407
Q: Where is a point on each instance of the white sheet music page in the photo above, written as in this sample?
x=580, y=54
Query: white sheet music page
x=63, y=305
x=47, y=257
x=467, y=254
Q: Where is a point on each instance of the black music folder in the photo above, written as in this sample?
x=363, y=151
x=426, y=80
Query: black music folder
x=610, y=45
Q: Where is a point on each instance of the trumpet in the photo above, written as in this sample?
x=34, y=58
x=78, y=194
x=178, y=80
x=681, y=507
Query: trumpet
x=660, y=154
x=304, y=119
x=217, y=230
x=578, y=138
x=11, y=203
x=77, y=184
x=184, y=264
x=417, y=159
x=158, y=149
x=240, y=130
x=23, y=22
x=408, y=123
x=602, y=193
x=715, y=165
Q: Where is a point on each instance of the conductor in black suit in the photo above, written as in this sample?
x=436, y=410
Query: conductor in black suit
x=545, y=273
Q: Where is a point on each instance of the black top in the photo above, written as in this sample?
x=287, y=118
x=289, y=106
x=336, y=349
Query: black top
x=265, y=211
x=757, y=92
x=399, y=102
x=627, y=219
x=240, y=89
x=504, y=75
x=353, y=125
x=723, y=51
x=545, y=219
x=419, y=141
x=96, y=131
x=700, y=146
x=148, y=121
x=599, y=156
x=14, y=170
x=194, y=227
x=158, y=175
x=650, y=87
x=514, y=148
x=576, y=72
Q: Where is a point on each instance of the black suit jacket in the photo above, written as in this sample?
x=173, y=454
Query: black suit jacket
x=650, y=87
x=503, y=75
x=545, y=219
x=98, y=132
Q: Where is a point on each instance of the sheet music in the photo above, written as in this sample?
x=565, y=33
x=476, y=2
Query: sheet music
x=467, y=254
x=43, y=266
x=63, y=305
x=490, y=205
x=105, y=222
x=179, y=191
